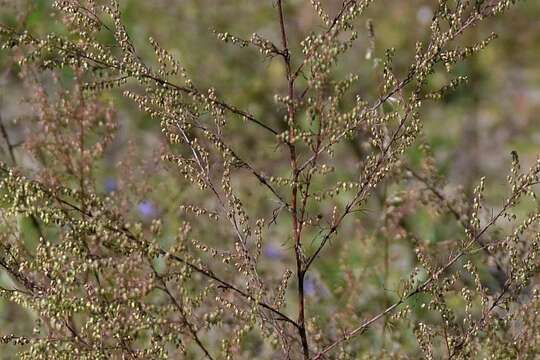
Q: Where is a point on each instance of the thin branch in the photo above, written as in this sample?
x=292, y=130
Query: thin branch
x=439, y=195
x=464, y=252
x=207, y=273
x=294, y=192
x=182, y=312
x=164, y=83
x=410, y=76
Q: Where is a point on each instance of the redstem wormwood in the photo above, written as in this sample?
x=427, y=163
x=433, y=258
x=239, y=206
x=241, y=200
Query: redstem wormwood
x=101, y=284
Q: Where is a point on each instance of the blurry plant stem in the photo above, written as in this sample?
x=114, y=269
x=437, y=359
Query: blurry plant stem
x=296, y=221
x=8, y=142
x=11, y=152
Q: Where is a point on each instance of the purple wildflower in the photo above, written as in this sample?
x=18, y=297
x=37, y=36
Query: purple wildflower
x=273, y=252
x=424, y=15
x=111, y=185
x=147, y=209
x=310, y=288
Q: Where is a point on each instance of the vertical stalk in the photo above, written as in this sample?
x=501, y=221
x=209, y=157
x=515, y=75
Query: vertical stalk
x=296, y=222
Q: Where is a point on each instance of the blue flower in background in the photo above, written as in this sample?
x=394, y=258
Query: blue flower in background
x=111, y=185
x=310, y=288
x=273, y=252
x=147, y=209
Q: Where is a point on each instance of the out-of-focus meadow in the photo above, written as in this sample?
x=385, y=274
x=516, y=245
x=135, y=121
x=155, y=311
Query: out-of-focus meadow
x=471, y=132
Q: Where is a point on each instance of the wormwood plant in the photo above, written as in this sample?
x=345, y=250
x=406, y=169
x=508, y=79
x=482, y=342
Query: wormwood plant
x=98, y=283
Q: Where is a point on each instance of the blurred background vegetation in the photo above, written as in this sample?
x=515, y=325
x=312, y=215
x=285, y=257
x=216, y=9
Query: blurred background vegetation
x=471, y=133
